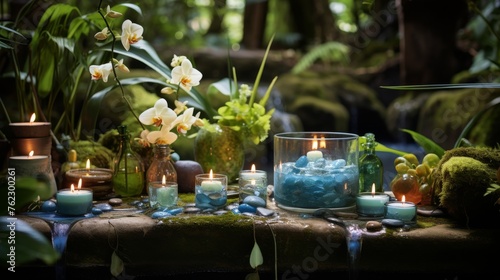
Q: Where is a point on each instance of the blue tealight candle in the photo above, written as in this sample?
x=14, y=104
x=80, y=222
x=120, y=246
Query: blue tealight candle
x=371, y=204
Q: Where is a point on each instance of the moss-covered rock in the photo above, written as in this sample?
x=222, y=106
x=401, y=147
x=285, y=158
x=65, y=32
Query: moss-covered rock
x=98, y=155
x=462, y=178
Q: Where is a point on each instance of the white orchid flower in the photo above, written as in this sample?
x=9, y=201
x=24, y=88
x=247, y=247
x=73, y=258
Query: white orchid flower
x=112, y=14
x=185, y=121
x=162, y=137
x=143, y=140
x=131, y=33
x=121, y=66
x=101, y=71
x=177, y=60
x=180, y=106
x=167, y=90
x=159, y=115
x=185, y=75
x=102, y=35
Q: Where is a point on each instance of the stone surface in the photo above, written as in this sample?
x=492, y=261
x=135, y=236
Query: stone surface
x=373, y=226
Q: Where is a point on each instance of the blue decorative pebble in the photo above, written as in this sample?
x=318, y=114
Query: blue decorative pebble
x=338, y=163
x=236, y=211
x=145, y=200
x=302, y=162
x=245, y=208
x=48, y=206
x=175, y=157
x=160, y=214
x=202, y=198
x=254, y=201
x=175, y=211
x=96, y=211
x=392, y=223
x=104, y=207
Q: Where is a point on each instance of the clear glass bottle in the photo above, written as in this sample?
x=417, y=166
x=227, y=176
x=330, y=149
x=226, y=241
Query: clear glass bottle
x=161, y=178
x=371, y=169
x=128, y=169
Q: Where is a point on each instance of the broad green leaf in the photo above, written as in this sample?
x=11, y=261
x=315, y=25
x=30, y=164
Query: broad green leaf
x=470, y=125
x=116, y=267
x=443, y=86
x=256, y=258
x=427, y=144
x=30, y=245
x=223, y=86
x=380, y=147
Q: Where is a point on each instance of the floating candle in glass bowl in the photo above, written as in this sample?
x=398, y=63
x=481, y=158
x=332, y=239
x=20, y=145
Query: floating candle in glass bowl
x=252, y=183
x=401, y=210
x=371, y=204
x=304, y=181
x=97, y=179
x=74, y=202
x=210, y=190
x=163, y=194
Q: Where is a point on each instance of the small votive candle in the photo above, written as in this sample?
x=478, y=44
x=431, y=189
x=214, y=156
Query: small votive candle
x=163, y=194
x=401, y=210
x=252, y=183
x=371, y=204
x=71, y=202
x=210, y=190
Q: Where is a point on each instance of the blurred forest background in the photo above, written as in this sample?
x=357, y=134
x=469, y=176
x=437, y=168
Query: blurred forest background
x=340, y=51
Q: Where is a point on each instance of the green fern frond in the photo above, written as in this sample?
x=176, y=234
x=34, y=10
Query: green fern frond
x=330, y=52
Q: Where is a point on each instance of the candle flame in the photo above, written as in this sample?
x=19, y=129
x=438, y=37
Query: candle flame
x=72, y=188
x=79, y=183
x=345, y=186
x=31, y=153
x=253, y=168
x=322, y=143
x=88, y=164
x=403, y=199
x=164, y=180
x=33, y=117
x=315, y=143
x=211, y=174
x=373, y=189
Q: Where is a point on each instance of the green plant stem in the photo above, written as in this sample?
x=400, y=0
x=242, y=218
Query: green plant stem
x=113, y=68
x=259, y=74
x=5, y=111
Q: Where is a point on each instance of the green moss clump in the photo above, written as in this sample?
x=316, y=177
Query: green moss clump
x=462, y=178
x=99, y=155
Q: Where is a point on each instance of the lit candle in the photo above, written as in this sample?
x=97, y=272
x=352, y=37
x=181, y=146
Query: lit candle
x=33, y=166
x=404, y=211
x=30, y=129
x=252, y=183
x=71, y=202
x=87, y=166
x=252, y=174
x=371, y=204
x=163, y=194
x=314, y=154
x=211, y=185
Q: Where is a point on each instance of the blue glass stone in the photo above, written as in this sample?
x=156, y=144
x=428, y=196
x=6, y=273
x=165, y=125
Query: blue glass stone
x=236, y=211
x=218, y=201
x=202, y=198
x=105, y=207
x=96, y=211
x=245, y=208
x=160, y=214
x=338, y=163
x=254, y=201
x=175, y=211
x=302, y=162
x=48, y=206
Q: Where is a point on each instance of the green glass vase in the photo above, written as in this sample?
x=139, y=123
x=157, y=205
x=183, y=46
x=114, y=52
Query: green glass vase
x=221, y=150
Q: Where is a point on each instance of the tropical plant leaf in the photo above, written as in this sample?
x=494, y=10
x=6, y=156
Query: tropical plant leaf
x=444, y=86
x=30, y=244
x=380, y=147
x=427, y=144
x=470, y=125
x=223, y=86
